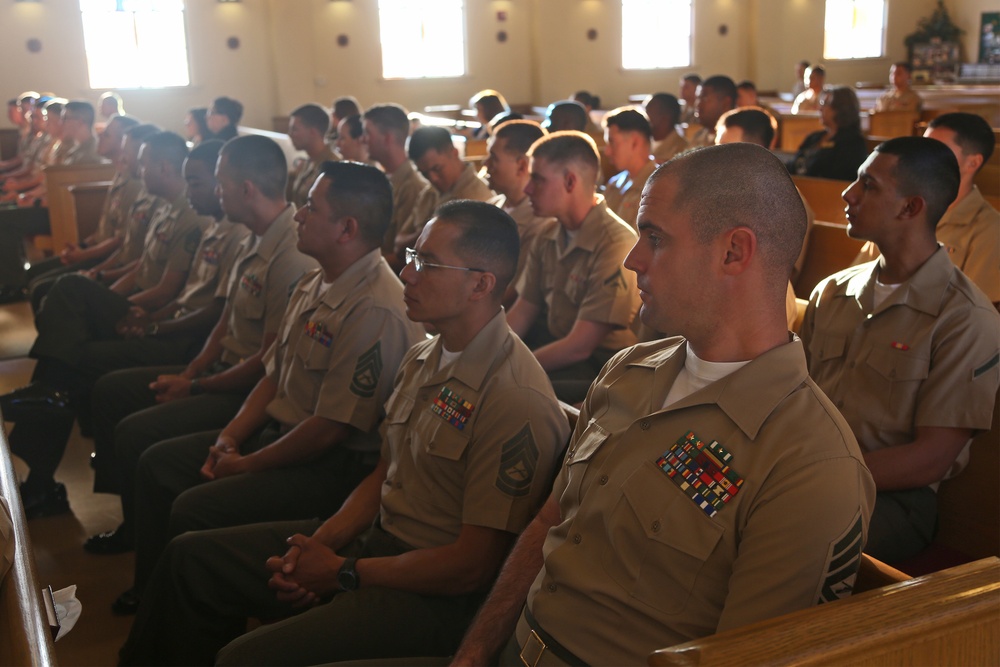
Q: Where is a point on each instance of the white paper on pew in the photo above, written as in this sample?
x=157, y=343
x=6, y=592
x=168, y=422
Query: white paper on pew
x=68, y=609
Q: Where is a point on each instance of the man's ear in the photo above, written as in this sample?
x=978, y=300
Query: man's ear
x=571, y=180
x=912, y=207
x=523, y=165
x=484, y=286
x=740, y=247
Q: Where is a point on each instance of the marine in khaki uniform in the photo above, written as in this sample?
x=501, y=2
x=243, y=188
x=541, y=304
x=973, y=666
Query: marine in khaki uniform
x=627, y=138
x=386, y=129
x=307, y=127
x=900, y=97
x=508, y=171
x=434, y=154
x=306, y=435
x=470, y=439
x=906, y=347
x=576, y=302
x=694, y=459
x=716, y=96
x=136, y=408
x=664, y=113
x=809, y=99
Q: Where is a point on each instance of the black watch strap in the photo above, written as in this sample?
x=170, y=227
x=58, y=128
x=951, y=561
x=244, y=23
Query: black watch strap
x=347, y=576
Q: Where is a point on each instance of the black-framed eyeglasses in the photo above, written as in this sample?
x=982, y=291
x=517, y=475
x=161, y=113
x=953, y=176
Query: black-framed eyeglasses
x=420, y=264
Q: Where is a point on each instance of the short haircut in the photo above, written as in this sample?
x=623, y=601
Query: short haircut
x=167, y=147
x=259, y=160
x=491, y=101
x=54, y=106
x=346, y=105
x=314, y=116
x=354, y=126
x=569, y=147
x=846, y=108
x=692, y=78
x=81, y=110
x=27, y=96
x=488, y=239
x=972, y=133
x=206, y=152
x=803, y=63
x=925, y=168
x=757, y=193
x=140, y=133
x=759, y=127
x=667, y=104
x=816, y=69
x=124, y=122
x=116, y=98
x=198, y=115
x=570, y=111
x=746, y=84
x=362, y=192
x=428, y=138
x=721, y=85
x=504, y=117
x=391, y=119
x=902, y=64
x=629, y=119
x=519, y=135
x=587, y=99
x=230, y=108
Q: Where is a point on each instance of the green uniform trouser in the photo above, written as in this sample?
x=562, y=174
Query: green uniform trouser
x=903, y=524
x=209, y=582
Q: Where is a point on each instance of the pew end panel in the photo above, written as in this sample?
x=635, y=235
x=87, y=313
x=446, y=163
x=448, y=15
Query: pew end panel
x=62, y=206
x=947, y=618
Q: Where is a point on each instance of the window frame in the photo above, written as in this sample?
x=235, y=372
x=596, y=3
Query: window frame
x=882, y=42
x=660, y=68
x=464, y=8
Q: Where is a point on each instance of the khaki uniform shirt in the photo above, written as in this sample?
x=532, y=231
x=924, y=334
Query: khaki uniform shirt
x=475, y=442
x=171, y=242
x=529, y=226
x=970, y=233
x=582, y=277
x=339, y=347
x=259, y=286
x=927, y=356
x=408, y=187
x=742, y=501
x=145, y=208
x=468, y=186
x=895, y=100
x=807, y=100
x=623, y=192
x=213, y=262
x=114, y=215
x=669, y=147
x=304, y=175
x=81, y=153
x=703, y=136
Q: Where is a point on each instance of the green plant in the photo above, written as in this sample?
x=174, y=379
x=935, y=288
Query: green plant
x=938, y=24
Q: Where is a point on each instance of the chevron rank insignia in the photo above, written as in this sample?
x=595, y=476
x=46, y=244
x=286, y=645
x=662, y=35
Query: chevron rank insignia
x=842, y=563
x=367, y=372
x=517, y=464
x=616, y=280
x=452, y=408
x=702, y=472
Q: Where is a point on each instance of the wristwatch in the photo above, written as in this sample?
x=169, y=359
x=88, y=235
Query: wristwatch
x=347, y=576
x=195, y=388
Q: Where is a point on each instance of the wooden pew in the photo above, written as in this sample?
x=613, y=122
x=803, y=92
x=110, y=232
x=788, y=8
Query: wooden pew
x=892, y=123
x=9, y=139
x=830, y=250
x=824, y=196
x=62, y=207
x=947, y=618
x=24, y=632
x=794, y=128
x=88, y=202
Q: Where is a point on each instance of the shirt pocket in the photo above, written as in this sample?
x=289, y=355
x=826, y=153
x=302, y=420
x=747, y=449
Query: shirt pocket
x=897, y=375
x=657, y=541
x=828, y=347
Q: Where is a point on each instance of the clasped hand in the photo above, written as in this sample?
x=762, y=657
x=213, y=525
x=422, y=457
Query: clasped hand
x=306, y=574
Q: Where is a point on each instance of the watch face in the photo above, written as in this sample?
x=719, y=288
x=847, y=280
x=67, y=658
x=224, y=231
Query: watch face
x=347, y=577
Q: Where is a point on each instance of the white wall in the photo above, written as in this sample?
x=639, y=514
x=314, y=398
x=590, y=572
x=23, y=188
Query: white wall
x=289, y=55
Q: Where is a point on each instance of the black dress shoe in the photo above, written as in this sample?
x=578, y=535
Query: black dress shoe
x=50, y=501
x=126, y=604
x=112, y=542
x=35, y=398
x=12, y=294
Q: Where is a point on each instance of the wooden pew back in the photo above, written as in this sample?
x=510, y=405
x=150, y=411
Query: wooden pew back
x=824, y=196
x=62, y=207
x=947, y=618
x=24, y=630
x=830, y=250
x=889, y=124
x=9, y=139
x=793, y=129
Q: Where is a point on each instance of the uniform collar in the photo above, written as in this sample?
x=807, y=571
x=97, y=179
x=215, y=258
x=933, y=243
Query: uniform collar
x=589, y=234
x=769, y=379
x=465, y=180
x=364, y=269
x=476, y=359
x=965, y=211
x=278, y=232
x=924, y=291
x=402, y=173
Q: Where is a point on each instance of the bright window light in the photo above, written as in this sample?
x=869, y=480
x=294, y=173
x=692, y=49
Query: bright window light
x=854, y=29
x=656, y=34
x=422, y=40
x=135, y=43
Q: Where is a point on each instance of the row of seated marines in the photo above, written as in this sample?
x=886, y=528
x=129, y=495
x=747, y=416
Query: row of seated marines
x=291, y=444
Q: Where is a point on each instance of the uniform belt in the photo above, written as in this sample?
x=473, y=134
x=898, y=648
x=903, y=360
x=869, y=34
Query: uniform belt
x=539, y=642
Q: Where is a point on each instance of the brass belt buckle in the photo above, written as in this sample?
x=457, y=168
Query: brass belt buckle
x=532, y=650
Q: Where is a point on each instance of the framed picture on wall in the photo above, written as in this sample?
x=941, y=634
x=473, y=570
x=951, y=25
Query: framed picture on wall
x=989, y=38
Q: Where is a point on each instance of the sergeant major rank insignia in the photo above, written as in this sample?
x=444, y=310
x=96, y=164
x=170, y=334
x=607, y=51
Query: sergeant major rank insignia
x=367, y=372
x=702, y=472
x=452, y=408
x=517, y=464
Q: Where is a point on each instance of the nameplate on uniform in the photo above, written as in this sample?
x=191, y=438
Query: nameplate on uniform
x=701, y=471
x=452, y=408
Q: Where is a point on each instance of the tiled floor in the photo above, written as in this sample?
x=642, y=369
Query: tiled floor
x=58, y=541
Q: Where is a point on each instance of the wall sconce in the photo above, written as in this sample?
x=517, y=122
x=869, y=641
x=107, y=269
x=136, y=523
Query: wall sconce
x=229, y=0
